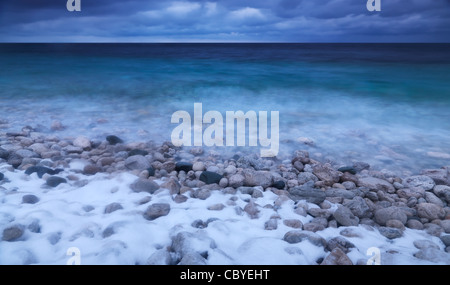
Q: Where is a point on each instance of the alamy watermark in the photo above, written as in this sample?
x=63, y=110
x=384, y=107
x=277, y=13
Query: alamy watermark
x=213, y=134
x=75, y=256
x=73, y=5
x=373, y=5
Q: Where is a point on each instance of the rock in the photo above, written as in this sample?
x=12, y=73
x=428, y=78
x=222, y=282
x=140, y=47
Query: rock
x=210, y=177
x=414, y=224
x=360, y=166
x=430, y=211
x=326, y=174
x=202, y=194
x=113, y=140
x=348, y=177
x=298, y=165
x=359, y=207
x=390, y=233
x=112, y=208
x=304, y=177
x=296, y=236
x=419, y=181
x=157, y=210
x=91, y=169
x=38, y=148
x=445, y=224
x=4, y=154
x=137, y=162
x=279, y=184
x=408, y=193
x=319, y=213
x=54, y=181
x=13, y=232
x=395, y=224
x=252, y=210
x=183, y=166
x=349, y=185
x=106, y=161
x=302, y=156
x=223, y=182
x=230, y=169
x=198, y=166
x=337, y=257
x=348, y=169
x=249, y=161
x=337, y=192
x=88, y=208
x=271, y=224
x=172, y=185
x=180, y=199
x=443, y=192
x=199, y=224
x=345, y=217
x=144, y=185
x=293, y=223
x=41, y=170
x=433, y=229
x=307, y=192
x=431, y=198
x=257, y=178
x=376, y=184
x=349, y=232
x=236, y=180
x=1, y=176
x=313, y=227
x=446, y=240
x=73, y=149
x=57, y=126
x=391, y=213
x=439, y=176
x=185, y=243
x=433, y=255
x=192, y=258
x=161, y=257
x=25, y=153
x=109, y=231
x=82, y=142
x=151, y=171
x=30, y=199
x=341, y=243
x=424, y=243
x=216, y=207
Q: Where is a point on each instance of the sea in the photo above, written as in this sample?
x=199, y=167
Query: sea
x=384, y=104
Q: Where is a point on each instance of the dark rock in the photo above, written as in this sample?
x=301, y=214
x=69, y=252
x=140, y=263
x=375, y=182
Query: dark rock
x=137, y=152
x=1, y=176
x=341, y=243
x=385, y=214
x=337, y=257
x=144, y=185
x=112, y=208
x=359, y=207
x=15, y=160
x=298, y=165
x=113, y=140
x=210, y=177
x=151, y=171
x=30, y=199
x=348, y=169
x=360, y=166
x=279, y=184
x=41, y=170
x=109, y=231
x=4, y=154
x=13, y=233
x=34, y=226
x=390, y=233
x=157, y=210
x=345, y=217
x=199, y=224
x=183, y=166
x=91, y=169
x=446, y=240
x=307, y=192
x=297, y=236
x=54, y=181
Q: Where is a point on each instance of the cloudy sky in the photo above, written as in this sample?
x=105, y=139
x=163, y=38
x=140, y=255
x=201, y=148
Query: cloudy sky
x=225, y=21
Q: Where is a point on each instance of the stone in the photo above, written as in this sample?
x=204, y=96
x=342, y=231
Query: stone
x=112, y=208
x=106, y=161
x=144, y=185
x=2, y=176
x=30, y=199
x=91, y=169
x=82, y=142
x=257, y=178
x=385, y=214
x=249, y=161
x=445, y=224
x=349, y=185
x=183, y=166
x=216, y=207
x=337, y=192
x=307, y=192
x=390, y=233
x=151, y=171
x=184, y=243
x=296, y=236
x=304, y=177
x=109, y=231
x=293, y=223
x=172, y=185
x=279, y=184
x=431, y=198
x=210, y=177
x=230, y=169
x=337, y=257
x=408, y=193
x=13, y=232
x=349, y=232
x=302, y=156
x=257, y=193
x=433, y=255
x=271, y=224
x=313, y=227
x=223, y=182
x=348, y=169
x=56, y=126
x=161, y=257
x=252, y=210
x=54, y=181
x=341, y=243
x=326, y=173
x=446, y=240
x=414, y=224
x=376, y=184
x=192, y=258
x=395, y=224
x=180, y=199
x=198, y=166
x=137, y=162
x=38, y=148
x=345, y=217
x=34, y=226
x=430, y=211
x=433, y=229
x=236, y=180
x=424, y=243
x=443, y=192
x=4, y=154
x=360, y=166
x=73, y=149
x=419, y=181
x=298, y=165
x=359, y=207
x=319, y=213
x=439, y=176
x=25, y=153
x=199, y=224
x=157, y=210
x=202, y=194
x=113, y=140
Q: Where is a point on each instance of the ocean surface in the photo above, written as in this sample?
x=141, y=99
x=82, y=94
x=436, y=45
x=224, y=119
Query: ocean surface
x=385, y=104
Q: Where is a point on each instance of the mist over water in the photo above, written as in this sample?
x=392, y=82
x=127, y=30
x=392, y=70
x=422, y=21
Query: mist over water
x=388, y=105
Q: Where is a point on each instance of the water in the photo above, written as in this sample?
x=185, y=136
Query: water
x=386, y=104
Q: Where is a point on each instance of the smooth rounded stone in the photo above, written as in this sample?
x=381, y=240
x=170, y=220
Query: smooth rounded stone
x=13, y=232
x=144, y=200
x=106, y=161
x=38, y=148
x=88, y=208
x=348, y=177
x=337, y=257
x=41, y=170
x=319, y=213
x=257, y=178
x=113, y=140
x=391, y=213
x=375, y=184
x=137, y=162
x=424, y=243
x=34, y=226
x=202, y=194
x=446, y=240
x=359, y=207
x=293, y=223
x=341, y=243
x=372, y=196
x=348, y=232
x=157, y=210
x=348, y=169
x=183, y=166
x=180, y=199
x=408, y=193
x=161, y=257
x=252, y=210
x=307, y=192
x=199, y=224
x=108, y=231
x=30, y=199
x=236, y=180
x=216, y=207
x=296, y=236
x=430, y=211
x=345, y=217
x=349, y=185
x=298, y=165
x=209, y=177
x=144, y=185
x=337, y=192
x=419, y=181
x=433, y=255
x=91, y=169
x=82, y=142
x=439, y=176
x=230, y=170
x=198, y=166
x=443, y=192
x=431, y=198
x=414, y=224
x=250, y=161
x=112, y=208
x=25, y=153
x=54, y=181
x=271, y=225
x=326, y=174
x=223, y=182
x=172, y=185
x=445, y=224
x=304, y=177
x=279, y=184
x=4, y=154
x=313, y=227
x=395, y=224
x=134, y=152
x=15, y=160
x=390, y=233
x=360, y=166
x=433, y=229
x=301, y=211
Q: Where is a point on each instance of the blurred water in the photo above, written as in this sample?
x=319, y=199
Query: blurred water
x=386, y=104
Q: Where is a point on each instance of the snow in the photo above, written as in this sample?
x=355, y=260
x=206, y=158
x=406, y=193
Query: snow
x=238, y=239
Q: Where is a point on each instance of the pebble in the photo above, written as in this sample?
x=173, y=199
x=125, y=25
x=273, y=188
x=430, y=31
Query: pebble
x=216, y=207
x=112, y=208
x=54, y=181
x=157, y=210
x=390, y=233
x=113, y=140
x=271, y=224
x=13, y=232
x=337, y=257
x=30, y=199
x=252, y=210
x=144, y=185
x=293, y=223
x=198, y=166
x=341, y=243
x=345, y=217
x=210, y=177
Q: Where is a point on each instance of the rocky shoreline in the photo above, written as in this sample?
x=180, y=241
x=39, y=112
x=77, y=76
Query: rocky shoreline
x=345, y=196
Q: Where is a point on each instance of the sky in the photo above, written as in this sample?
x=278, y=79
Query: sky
x=225, y=21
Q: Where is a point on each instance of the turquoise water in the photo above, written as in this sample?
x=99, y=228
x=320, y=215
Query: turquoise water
x=388, y=105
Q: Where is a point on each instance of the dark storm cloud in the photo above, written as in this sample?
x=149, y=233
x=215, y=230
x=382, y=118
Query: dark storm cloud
x=225, y=20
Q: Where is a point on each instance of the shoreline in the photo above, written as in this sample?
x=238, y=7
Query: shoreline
x=295, y=199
